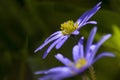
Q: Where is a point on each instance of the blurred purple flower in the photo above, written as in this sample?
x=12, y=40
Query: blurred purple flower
x=68, y=28
x=83, y=59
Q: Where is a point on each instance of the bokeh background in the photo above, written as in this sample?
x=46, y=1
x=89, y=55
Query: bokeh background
x=24, y=25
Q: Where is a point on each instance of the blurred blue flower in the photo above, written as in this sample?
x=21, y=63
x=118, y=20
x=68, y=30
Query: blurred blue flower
x=68, y=28
x=83, y=59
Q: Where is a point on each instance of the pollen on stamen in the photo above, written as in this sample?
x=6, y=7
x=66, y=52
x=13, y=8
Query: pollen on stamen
x=68, y=27
x=80, y=63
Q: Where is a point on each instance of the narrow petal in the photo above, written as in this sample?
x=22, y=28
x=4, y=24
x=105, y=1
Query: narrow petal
x=52, y=35
x=64, y=60
x=90, y=53
x=81, y=47
x=93, y=11
x=92, y=47
x=91, y=22
x=87, y=15
x=53, y=70
x=78, y=50
x=62, y=42
x=90, y=39
x=103, y=39
x=82, y=23
x=104, y=54
x=90, y=14
x=82, y=17
x=47, y=42
x=51, y=46
x=75, y=52
x=63, y=75
x=41, y=72
x=76, y=32
x=57, y=73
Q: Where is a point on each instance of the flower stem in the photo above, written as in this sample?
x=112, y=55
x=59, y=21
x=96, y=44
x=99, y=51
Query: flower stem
x=92, y=73
x=84, y=77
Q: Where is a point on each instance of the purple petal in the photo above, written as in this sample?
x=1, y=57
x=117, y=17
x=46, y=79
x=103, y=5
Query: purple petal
x=57, y=76
x=48, y=41
x=75, y=52
x=81, y=47
x=91, y=22
x=82, y=23
x=89, y=54
x=104, y=54
x=78, y=51
x=93, y=11
x=90, y=39
x=64, y=60
x=61, y=42
x=87, y=15
x=41, y=72
x=51, y=46
x=92, y=47
x=82, y=17
x=63, y=75
x=53, y=70
x=57, y=73
x=103, y=39
x=52, y=35
x=76, y=32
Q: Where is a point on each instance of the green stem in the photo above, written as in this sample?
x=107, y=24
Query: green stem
x=84, y=77
x=92, y=73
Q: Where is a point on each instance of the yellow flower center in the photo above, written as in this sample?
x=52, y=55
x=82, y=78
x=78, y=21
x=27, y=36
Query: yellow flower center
x=80, y=63
x=68, y=27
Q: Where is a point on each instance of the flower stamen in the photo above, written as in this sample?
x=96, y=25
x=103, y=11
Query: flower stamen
x=68, y=27
x=80, y=63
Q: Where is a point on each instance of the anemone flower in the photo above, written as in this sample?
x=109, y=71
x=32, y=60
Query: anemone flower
x=67, y=29
x=82, y=59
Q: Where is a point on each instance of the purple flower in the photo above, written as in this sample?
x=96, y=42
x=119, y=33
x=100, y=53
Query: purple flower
x=82, y=59
x=68, y=28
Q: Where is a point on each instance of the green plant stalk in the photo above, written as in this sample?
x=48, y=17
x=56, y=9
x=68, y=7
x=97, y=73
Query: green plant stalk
x=84, y=76
x=92, y=73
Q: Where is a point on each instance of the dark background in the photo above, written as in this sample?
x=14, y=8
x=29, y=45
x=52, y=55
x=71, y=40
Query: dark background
x=24, y=25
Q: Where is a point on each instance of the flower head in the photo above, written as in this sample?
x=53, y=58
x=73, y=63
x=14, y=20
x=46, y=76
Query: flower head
x=82, y=59
x=67, y=28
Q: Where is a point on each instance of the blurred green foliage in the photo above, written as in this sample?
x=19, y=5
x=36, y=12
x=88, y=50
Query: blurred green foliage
x=24, y=25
